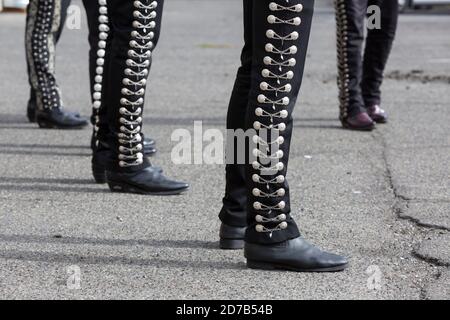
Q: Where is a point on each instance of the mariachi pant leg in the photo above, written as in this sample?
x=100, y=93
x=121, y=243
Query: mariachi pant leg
x=281, y=31
x=100, y=38
x=44, y=25
x=234, y=210
x=350, y=22
x=136, y=27
x=378, y=47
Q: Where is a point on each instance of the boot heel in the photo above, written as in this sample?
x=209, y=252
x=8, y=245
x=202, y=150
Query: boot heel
x=116, y=187
x=260, y=265
x=99, y=173
x=122, y=187
x=31, y=116
x=231, y=244
x=44, y=125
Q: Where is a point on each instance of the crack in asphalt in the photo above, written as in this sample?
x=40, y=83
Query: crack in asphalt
x=431, y=260
x=420, y=223
x=398, y=207
x=401, y=200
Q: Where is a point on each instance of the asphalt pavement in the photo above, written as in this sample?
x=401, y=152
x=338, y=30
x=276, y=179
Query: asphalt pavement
x=381, y=198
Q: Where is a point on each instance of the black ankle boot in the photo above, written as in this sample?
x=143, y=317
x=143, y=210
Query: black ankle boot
x=149, y=146
x=31, y=108
x=232, y=238
x=31, y=111
x=57, y=118
x=150, y=181
x=293, y=255
x=100, y=158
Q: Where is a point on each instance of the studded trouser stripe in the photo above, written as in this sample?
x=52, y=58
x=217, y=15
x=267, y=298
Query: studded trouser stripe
x=103, y=30
x=135, y=32
x=281, y=32
x=44, y=19
x=342, y=56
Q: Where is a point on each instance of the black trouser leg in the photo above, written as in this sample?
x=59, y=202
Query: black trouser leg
x=378, y=47
x=100, y=37
x=234, y=211
x=136, y=27
x=281, y=32
x=45, y=22
x=350, y=16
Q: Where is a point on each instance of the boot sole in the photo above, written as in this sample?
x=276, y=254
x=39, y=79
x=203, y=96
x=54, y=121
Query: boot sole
x=50, y=125
x=347, y=126
x=381, y=121
x=122, y=187
x=231, y=244
x=150, y=153
x=271, y=266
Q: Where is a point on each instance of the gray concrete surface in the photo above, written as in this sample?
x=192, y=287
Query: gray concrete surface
x=381, y=198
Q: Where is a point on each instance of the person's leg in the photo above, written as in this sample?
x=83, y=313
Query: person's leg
x=136, y=27
x=234, y=214
x=43, y=27
x=280, y=41
x=100, y=36
x=378, y=47
x=31, y=107
x=350, y=16
x=99, y=40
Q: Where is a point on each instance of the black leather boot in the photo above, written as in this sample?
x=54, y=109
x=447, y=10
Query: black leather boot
x=377, y=114
x=149, y=146
x=360, y=122
x=31, y=111
x=32, y=106
x=101, y=155
x=232, y=238
x=149, y=181
x=57, y=118
x=278, y=41
x=294, y=255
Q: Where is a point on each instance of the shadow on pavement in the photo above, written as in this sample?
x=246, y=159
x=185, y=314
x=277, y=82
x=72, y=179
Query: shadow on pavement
x=46, y=188
x=43, y=146
x=7, y=118
x=46, y=180
x=48, y=149
x=45, y=153
x=49, y=257
x=101, y=260
x=58, y=239
x=17, y=127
